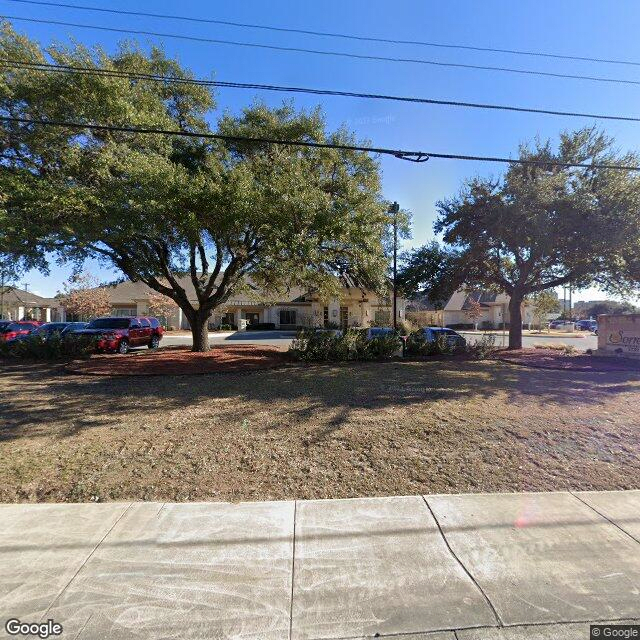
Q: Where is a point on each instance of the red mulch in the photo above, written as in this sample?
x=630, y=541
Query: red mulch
x=181, y=361
x=553, y=359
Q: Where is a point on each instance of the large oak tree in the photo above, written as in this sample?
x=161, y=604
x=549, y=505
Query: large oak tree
x=541, y=226
x=159, y=207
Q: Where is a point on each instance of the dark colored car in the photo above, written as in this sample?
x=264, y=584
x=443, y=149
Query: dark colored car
x=13, y=330
x=120, y=334
x=587, y=325
x=454, y=339
x=45, y=331
x=74, y=326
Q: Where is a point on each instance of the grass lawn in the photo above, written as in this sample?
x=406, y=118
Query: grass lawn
x=325, y=431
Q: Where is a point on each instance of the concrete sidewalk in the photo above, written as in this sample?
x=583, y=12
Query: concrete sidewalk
x=465, y=567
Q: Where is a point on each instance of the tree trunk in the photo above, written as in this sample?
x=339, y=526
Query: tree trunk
x=515, y=320
x=200, y=331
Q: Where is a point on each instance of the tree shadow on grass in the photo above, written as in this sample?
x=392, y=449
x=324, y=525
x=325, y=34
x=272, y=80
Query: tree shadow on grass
x=40, y=400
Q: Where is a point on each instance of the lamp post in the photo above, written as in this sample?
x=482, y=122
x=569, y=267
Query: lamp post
x=394, y=209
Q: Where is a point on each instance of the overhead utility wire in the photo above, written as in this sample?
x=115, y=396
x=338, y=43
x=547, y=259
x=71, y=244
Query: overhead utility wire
x=44, y=66
x=339, y=54
x=414, y=156
x=329, y=34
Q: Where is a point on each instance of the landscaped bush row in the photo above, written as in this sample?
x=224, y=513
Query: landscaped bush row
x=319, y=346
x=417, y=345
x=55, y=347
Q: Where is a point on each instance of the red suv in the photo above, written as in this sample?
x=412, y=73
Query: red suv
x=11, y=330
x=119, y=334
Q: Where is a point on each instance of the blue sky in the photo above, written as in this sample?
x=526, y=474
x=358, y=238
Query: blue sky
x=597, y=29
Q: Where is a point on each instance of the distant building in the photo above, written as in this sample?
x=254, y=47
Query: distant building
x=19, y=304
x=298, y=308
x=495, y=309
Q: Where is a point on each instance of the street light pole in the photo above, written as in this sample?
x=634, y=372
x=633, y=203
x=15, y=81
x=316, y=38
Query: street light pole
x=394, y=209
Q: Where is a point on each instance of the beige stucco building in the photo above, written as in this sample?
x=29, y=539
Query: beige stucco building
x=19, y=304
x=495, y=309
x=297, y=308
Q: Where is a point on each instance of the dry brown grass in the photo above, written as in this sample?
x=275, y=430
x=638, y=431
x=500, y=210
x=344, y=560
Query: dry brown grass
x=316, y=432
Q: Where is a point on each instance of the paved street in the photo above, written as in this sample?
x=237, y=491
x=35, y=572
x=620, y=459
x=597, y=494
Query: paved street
x=283, y=339
x=276, y=338
x=589, y=341
x=466, y=567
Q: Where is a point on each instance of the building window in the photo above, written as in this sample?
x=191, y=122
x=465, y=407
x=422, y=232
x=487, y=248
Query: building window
x=287, y=316
x=124, y=312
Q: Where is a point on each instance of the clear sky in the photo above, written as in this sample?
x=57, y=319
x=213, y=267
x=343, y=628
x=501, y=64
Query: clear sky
x=584, y=27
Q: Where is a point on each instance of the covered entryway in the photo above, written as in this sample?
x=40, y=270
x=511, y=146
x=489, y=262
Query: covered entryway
x=252, y=317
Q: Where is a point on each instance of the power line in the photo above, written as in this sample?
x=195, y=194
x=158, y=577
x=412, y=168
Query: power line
x=43, y=66
x=338, y=54
x=329, y=34
x=415, y=156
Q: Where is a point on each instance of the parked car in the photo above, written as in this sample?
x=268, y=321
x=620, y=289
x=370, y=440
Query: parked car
x=74, y=326
x=587, y=325
x=45, y=331
x=120, y=334
x=566, y=325
x=379, y=332
x=13, y=330
x=454, y=339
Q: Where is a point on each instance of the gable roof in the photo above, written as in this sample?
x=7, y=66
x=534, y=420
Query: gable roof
x=462, y=299
x=23, y=298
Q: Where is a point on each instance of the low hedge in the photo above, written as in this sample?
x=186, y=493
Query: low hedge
x=54, y=347
x=324, y=346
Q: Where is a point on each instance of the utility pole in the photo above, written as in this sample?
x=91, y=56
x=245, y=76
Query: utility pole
x=394, y=209
x=2, y=294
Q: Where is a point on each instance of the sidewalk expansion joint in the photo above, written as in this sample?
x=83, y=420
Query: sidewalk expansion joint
x=452, y=552
x=73, y=577
x=293, y=567
x=609, y=520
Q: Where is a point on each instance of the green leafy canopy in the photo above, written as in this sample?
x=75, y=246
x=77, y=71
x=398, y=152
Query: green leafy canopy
x=161, y=207
x=539, y=227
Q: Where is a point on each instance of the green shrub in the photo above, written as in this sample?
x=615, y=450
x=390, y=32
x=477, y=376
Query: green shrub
x=79, y=346
x=55, y=347
x=483, y=348
x=417, y=345
x=322, y=346
x=36, y=347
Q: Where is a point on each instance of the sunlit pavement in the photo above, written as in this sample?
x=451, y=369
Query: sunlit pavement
x=588, y=341
x=473, y=567
x=284, y=338
x=275, y=338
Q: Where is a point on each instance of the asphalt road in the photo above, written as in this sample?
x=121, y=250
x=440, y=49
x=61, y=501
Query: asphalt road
x=283, y=339
x=589, y=341
x=277, y=338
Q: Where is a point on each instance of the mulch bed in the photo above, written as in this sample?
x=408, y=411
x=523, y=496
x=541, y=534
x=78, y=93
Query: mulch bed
x=554, y=359
x=182, y=361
